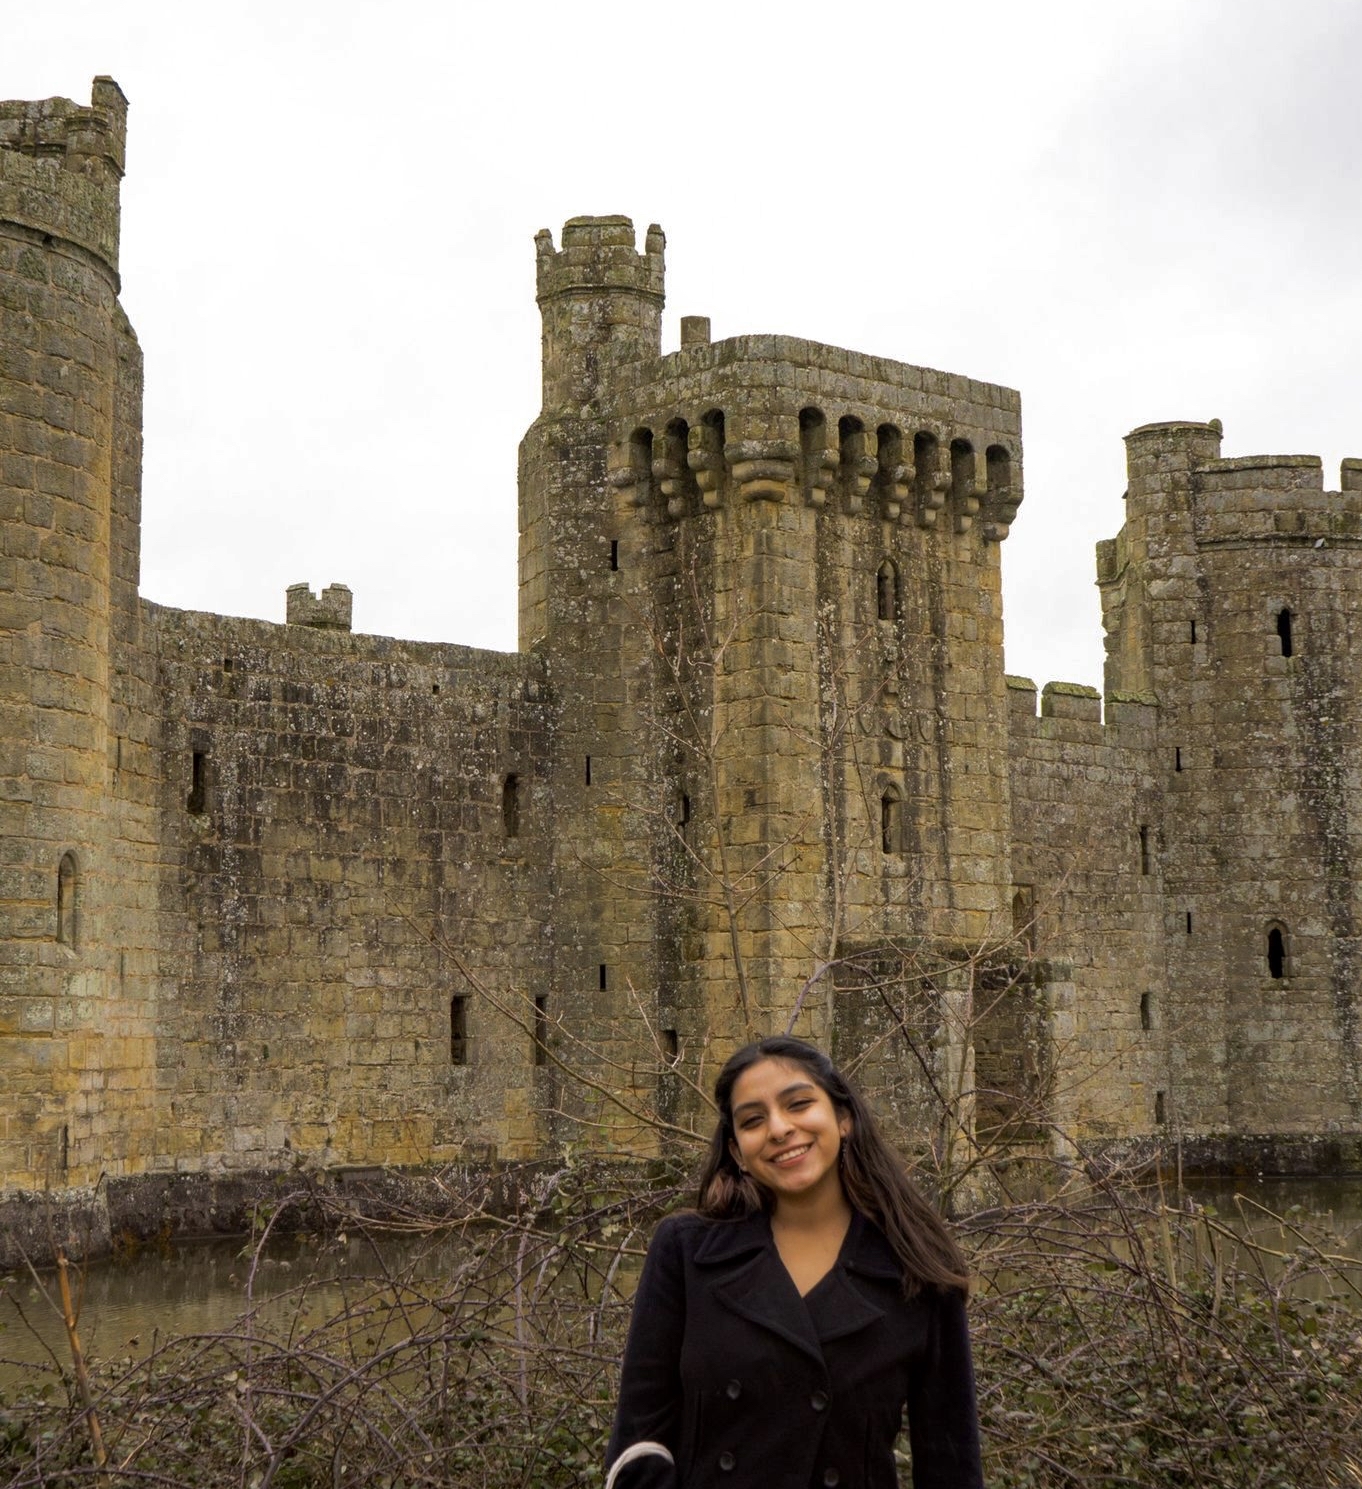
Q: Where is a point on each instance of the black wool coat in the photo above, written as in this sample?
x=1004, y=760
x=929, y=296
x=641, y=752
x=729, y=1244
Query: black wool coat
x=751, y=1386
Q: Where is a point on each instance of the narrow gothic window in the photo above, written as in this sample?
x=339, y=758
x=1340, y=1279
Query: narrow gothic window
x=614, y=554
x=891, y=822
x=197, y=800
x=1160, y=1108
x=510, y=806
x=66, y=901
x=1276, y=952
x=887, y=590
x=1177, y=758
x=1144, y=850
x=601, y=976
x=1146, y=1011
x=458, y=1030
x=1192, y=638
x=1284, y=631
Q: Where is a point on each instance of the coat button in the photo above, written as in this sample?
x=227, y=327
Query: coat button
x=733, y=1389
x=819, y=1401
x=727, y=1461
x=831, y=1477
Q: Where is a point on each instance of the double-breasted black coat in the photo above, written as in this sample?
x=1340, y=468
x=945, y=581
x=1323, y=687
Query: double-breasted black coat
x=750, y=1386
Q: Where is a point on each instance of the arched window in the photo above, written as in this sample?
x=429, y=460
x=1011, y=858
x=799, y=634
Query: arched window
x=887, y=590
x=1284, y=631
x=891, y=474
x=510, y=806
x=66, y=901
x=813, y=443
x=998, y=466
x=641, y=465
x=891, y=821
x=1276, y=951
x=851, y=443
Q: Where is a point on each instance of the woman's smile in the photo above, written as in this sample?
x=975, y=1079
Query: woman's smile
x=786, y=1131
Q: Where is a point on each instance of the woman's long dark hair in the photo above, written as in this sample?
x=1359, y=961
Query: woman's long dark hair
x=873, y=1175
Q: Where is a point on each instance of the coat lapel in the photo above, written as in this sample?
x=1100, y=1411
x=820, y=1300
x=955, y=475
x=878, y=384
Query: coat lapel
x=750, y=1280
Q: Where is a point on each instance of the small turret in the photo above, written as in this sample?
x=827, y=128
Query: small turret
x=61, y=164
x=601, y=302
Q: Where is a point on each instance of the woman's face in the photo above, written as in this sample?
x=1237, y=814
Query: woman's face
x=786, y=1130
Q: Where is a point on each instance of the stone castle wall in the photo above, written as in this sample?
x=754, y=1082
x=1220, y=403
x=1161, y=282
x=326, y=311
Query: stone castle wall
x=280, y=894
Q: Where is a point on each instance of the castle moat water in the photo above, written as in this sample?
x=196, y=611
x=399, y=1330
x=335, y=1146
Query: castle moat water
x=127, y=1305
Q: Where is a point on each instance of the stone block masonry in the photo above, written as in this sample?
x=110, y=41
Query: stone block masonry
x=283, y=894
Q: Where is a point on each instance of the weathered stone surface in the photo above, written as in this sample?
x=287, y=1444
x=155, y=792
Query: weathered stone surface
x=276, y=896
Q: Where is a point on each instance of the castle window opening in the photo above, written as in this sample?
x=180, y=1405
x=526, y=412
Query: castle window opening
x=1189, y=922
x=510, y=805
x=889, y=452
x=962, y=469
x=1192, y=637
x=541, y=1029
x=64, y=1147
x=66, y=900
x=1146, y=1011
x=998, y=469
x=925, y=451
x=641, y=464
x=851, y=437
x=588, y=770
x=1144, y=849
x=1284, y=631
x=197, y=800
x=226, y=664
x=435, y=687
x=1177, y=758
x=1160, y=1108
x=602, y=977
x=458, y=1029
x=679, y=472
x=891, y=821
x=887, y=590
x=671, y=1046
x=614, y=555
x=682, y=812
x=813, y=440
x=1276, y=952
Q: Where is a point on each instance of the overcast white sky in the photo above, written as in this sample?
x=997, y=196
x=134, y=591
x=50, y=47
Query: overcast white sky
x=1128, y=211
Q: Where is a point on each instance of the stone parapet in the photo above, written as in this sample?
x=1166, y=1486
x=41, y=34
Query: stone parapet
x=60, y=168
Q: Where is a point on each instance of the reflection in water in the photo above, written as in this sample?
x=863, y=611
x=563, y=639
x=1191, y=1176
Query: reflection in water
x=201, y=1288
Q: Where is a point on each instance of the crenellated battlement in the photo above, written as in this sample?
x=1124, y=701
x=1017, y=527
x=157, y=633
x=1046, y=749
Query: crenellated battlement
x=1178, y=466
x=601, y=302
x=776, y=418
x=60, y=167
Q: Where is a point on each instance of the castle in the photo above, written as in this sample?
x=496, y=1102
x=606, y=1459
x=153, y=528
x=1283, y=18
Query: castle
x=275, y=894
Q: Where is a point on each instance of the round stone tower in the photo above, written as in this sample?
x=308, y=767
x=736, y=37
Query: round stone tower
x=62, y=335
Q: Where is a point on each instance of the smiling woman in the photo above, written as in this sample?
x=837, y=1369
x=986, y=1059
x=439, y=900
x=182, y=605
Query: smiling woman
x=781, y=1329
